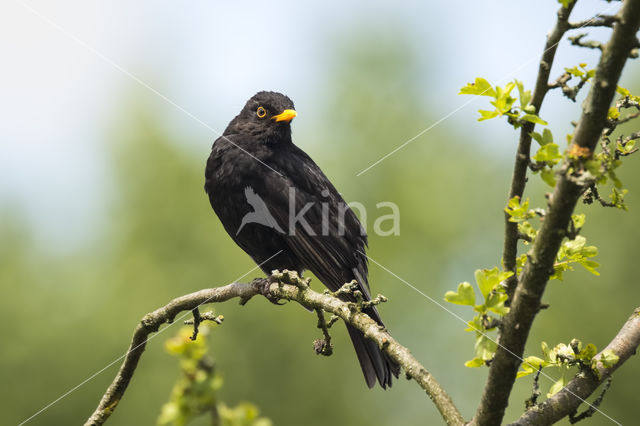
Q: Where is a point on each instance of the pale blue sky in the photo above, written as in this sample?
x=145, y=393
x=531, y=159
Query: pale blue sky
x=58, y=93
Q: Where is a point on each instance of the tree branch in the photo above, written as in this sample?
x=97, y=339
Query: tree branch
x=589, y=44
x=519, y=179
x=568, y=91
x=596, y=21
x=536, y=272
x=289, y=287
x=151, y=323
x=585, y=383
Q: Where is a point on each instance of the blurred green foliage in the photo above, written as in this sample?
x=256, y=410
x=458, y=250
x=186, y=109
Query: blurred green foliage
x=197, y=390
x=67, y=316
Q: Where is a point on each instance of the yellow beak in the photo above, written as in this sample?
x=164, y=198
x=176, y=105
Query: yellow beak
x=286, y=115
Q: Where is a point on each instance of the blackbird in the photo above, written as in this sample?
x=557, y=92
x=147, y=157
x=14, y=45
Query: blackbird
x=280, y=208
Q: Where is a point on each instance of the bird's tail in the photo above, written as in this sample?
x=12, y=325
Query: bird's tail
x=375, y=364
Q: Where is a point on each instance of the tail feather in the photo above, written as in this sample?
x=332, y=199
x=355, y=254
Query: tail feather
x=376, y=365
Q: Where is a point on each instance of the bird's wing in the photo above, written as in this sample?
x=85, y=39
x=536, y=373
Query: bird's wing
x=323, y=232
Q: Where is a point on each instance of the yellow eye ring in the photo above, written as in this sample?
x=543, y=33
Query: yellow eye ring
x=261, y=112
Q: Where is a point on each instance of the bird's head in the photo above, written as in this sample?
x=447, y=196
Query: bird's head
x=267, y=116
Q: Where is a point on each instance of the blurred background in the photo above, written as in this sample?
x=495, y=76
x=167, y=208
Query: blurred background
x=109, y=110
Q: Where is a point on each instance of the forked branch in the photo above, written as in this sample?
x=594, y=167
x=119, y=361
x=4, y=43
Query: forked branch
x=533, y=279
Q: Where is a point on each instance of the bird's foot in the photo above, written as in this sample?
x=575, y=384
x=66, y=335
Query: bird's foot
x=264, y=287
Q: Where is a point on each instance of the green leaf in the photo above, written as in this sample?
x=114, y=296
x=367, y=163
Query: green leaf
x=617, y=198
x=559, y=268
x=527, y=229
x=537, y=137
x=518, y=211
x=479, y=87
x=506, y=91
x=627, y=148
x=474, y=363
x=608, y=358
x=578, y=220
x=464, y=296
x=520, y=262
x=495, y=303
x=569, y=138
x=589, y=251
x=549, y=355
x=532, y=118
x=486, y=115
x=622, y=91
x=613, y=113
x=576, y=251
x=591, y=266
x=548, y=153
x=565, y=3
x=504, y=101
x=564, y=352
x=575, y=71
x=531, y=364
x=612, y=175
x=588, y=352
x=557, y=386
x=485, y=347
x=575, y=246
x=543, y=139
x=243, y=414
x=483, y=282
x=594, y=167
x=489, y=279
x=525, y=95
x=475, y=324
x=579, y=247
x=548, y=176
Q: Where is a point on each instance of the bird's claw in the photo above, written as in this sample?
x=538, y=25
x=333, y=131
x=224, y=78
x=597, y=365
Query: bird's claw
x=265, y=290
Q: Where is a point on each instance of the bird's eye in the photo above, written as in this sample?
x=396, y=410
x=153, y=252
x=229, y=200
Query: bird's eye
x=261, y=112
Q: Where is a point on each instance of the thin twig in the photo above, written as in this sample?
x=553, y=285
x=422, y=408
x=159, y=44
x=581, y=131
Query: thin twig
x=575, y=418
x=522, y=161
x=535, y=392
x=576, y=40
x=570, y=92
x=197, y=319
x=323, y=346
x=596, y=21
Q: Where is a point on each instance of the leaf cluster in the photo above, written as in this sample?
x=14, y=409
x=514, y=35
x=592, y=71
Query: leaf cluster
x=504, y=104
x=574, y=248
x=565, y=357
x=602, y=166
x=488, y=313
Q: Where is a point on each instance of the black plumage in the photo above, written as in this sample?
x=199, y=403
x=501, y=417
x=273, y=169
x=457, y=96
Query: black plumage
x=280, y=208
